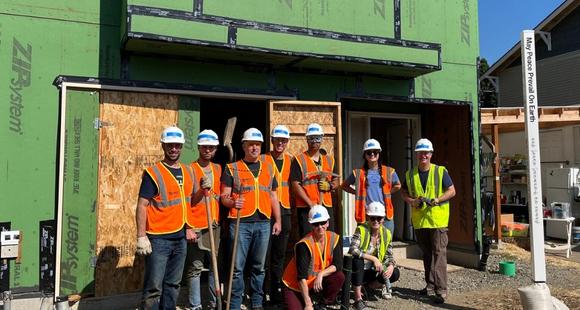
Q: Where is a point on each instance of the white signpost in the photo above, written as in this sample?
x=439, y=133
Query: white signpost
x=528, y=48
x=537, y=295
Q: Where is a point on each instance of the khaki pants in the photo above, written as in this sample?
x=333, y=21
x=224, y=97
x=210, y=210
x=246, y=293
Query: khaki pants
x=433, y=244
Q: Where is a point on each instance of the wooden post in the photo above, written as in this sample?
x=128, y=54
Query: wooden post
x=497, y=182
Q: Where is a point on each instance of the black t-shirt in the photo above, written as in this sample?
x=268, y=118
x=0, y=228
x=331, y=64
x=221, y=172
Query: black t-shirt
x=228, y=180
x=303, y=258
x=149, y=189
x=424, y=175
x=296, y=171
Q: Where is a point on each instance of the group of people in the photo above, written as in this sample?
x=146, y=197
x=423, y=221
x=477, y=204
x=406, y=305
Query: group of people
x=178, y=216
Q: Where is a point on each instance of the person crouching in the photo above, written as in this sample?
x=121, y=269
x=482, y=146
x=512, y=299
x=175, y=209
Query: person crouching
x=372, y=251
x=316, y=266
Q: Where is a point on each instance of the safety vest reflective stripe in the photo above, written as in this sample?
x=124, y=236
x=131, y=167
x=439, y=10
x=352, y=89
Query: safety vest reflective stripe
x=197, y=216
x=255, y=191
x=361, y=193
x=319, y=260
x=428, y=216
x=311, y=174
x=365, y=236
x=167, y=211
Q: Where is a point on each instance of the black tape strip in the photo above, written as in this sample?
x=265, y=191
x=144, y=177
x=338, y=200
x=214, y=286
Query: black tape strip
x=232, y=36
x=397, y=18
x=47, y=254
x=197, y=7
x=177, y=86
x=4, y=265
x=240, y=23
x=408, y=99
x=407, y=65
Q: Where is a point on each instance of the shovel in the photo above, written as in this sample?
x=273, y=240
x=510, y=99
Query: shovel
x=228, y=135
x=214, y=265
x=234, y=253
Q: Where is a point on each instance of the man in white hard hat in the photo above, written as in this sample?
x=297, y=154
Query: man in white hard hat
x=313, y=179
x=428, y=189
x=373, y=263
x=316, y=266
x=281, y=162
x=249, y=187
x=162, y=223
x=206, y=181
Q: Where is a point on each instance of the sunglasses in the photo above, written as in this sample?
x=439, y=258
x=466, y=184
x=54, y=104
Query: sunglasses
x=375, y=218
x=314, y=139
x=319, y=224
x=372, y=152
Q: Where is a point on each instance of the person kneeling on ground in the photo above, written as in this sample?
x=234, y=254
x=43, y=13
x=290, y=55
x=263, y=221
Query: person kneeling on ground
x=372, y=252
x=316, y=266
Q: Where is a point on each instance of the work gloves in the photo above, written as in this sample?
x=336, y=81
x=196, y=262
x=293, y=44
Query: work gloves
x=324, y=186
x=143, y=246
x=205, y=183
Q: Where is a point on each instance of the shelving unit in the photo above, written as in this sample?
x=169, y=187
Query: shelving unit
x=513, y=179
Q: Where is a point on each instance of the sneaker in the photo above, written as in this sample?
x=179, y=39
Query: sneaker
x=426, y=292
x=386, y=293
x=360, y=305
x=439, y=298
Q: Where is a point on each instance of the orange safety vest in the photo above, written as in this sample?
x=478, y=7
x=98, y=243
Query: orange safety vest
x=361, y=193
x=197, y=216
x=319, y=260
x=310, y=176
x=282, y=177
x=167, y=211
x=254, y=190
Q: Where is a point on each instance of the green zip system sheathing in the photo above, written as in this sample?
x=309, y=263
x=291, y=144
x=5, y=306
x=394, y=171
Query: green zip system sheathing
x=37, y=43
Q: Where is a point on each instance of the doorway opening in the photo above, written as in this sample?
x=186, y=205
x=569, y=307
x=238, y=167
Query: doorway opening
x=396, y=133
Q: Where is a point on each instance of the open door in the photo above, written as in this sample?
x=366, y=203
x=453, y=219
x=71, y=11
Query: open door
x=296, y=115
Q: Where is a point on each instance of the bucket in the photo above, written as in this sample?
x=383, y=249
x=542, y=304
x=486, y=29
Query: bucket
x=576, y=234
x=507, y=268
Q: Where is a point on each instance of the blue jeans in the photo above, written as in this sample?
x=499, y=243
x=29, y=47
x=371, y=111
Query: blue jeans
x=252, y=246
x=163, y=270
x=192, y=275
x=390, y=225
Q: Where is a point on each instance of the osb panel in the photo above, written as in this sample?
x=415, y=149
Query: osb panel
x=129, y=142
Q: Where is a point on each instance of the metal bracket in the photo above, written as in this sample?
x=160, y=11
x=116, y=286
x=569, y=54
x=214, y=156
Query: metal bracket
x=546, y=37
x=98, y=124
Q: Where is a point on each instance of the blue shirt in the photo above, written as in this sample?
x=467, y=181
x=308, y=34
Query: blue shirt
x=374, y=189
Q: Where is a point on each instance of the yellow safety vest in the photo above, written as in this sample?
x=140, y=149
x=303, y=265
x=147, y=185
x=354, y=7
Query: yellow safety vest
x=426, y=216
x=365, y=238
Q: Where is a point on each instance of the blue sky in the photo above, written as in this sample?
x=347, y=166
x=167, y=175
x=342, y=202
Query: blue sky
x=501, y=23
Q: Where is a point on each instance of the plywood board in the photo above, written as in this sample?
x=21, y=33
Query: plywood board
x=129, y=142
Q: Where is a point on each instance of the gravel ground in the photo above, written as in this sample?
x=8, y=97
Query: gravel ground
x=472, y=289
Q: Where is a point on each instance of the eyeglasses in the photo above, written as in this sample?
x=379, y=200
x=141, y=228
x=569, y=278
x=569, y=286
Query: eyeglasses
x=372, y=152
x=314, y=139
x=319, y=223
x=375, y=218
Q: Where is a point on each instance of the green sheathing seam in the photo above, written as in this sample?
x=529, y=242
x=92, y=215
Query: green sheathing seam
x=305, y=44
x=188, y=121
x=91, y=12
x=80, y=192
x=179, y=28
x=371, y=18
x=33, y=51
x=180, y=5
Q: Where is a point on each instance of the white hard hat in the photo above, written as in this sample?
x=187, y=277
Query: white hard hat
x=172, y=135
x=372, y=144
x=281, y=131
x=314, y=130
x=375, y=208
x=423, y=145
x=208, y=137
x=317, y=214
x=253, y=134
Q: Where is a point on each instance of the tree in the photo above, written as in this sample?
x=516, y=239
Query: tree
x=487, y=93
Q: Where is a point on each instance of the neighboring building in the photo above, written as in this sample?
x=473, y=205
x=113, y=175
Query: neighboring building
x=74, y=151
x=557, y=62
x=558, y=89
